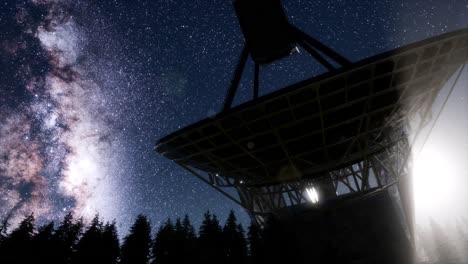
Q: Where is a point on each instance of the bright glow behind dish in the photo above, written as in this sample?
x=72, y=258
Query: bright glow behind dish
x=440, y=164
x=434, y=182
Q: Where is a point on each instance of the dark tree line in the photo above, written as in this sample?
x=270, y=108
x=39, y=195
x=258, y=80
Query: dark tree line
x=69, y=242
x=73, y=242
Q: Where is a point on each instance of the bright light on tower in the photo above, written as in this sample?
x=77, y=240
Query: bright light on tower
x=312, y=194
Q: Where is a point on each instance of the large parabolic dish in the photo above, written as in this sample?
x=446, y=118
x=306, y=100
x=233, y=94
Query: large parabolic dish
x=322, y=124
x=344, y=131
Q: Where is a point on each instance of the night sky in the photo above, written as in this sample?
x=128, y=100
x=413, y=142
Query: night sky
x=87, y=87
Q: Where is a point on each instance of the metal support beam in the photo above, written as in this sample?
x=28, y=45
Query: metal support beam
x=236, y=78
x=311, y=45
x=301, y=35
x=316, y=55
x=209, y=183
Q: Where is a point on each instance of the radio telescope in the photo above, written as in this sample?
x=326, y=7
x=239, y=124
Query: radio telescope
x=328, y=156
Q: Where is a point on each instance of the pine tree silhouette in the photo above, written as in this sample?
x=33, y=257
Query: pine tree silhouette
x=136, y=245
x=65, y=239
x=256, y=243
x=217, y=239
x=90, y=247
x=4, y=229
x=17, y=247
x=211, y=240
x=3, y=235
x=205, y=239
x=43, y=243
x=189, y=230
x=190, y=240
x=163, y=247
x=179, y=242
x=235, y=248
x=242, y=244
x=110, y=240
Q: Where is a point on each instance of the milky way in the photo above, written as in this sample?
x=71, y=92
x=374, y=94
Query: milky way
x=53, y=144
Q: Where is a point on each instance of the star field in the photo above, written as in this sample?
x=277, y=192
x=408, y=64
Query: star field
x=87, y=87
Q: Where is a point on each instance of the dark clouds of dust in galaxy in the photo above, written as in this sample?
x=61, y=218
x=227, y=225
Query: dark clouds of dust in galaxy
x=55, y=150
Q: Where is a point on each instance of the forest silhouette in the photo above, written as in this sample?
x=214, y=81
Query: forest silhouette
x=73, y=242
